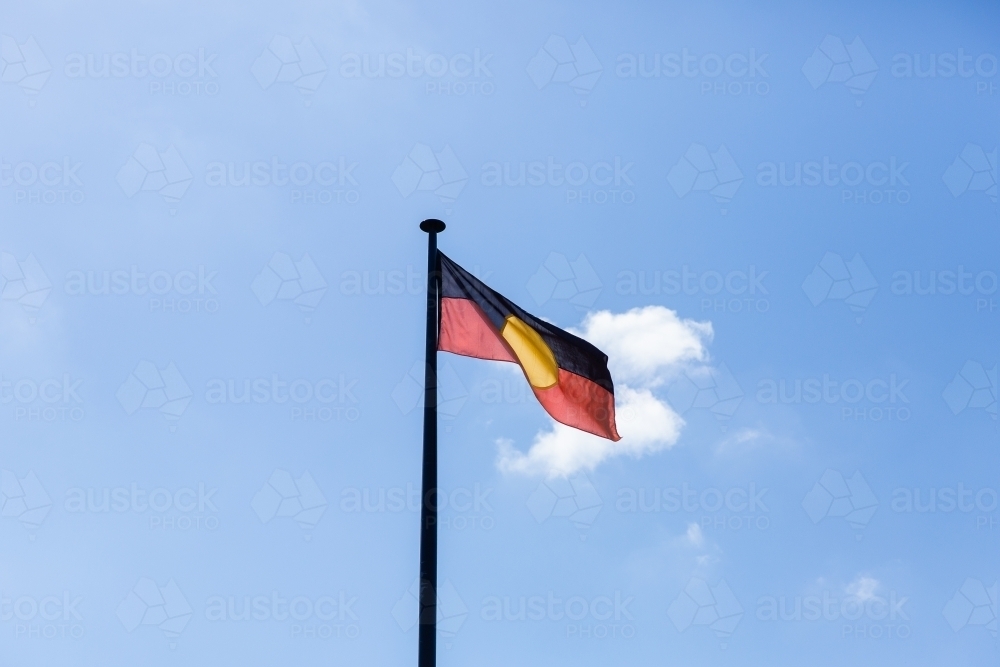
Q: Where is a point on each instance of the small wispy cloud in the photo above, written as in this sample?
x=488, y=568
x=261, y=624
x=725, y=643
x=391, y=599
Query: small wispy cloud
x=863, y=588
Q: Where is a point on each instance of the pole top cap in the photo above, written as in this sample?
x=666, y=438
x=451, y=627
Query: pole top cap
x=432, y=226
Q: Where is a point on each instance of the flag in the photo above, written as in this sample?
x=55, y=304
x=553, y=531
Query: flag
x=568, y=375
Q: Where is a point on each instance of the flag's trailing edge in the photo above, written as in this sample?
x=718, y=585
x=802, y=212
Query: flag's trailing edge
x=568, y=375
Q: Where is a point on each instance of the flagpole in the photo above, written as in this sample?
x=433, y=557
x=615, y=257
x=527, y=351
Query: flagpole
x=427, y=640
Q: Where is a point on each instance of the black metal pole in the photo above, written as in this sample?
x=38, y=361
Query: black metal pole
x=427, y=641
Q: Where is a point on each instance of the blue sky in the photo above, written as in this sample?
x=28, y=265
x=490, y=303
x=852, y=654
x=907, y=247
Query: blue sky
x=230, y=215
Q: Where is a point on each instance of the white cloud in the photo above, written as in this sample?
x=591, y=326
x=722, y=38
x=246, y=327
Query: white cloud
x=863, y=588
x=694, y=535
x=645, y=348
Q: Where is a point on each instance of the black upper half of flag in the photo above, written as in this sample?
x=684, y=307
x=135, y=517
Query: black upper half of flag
x=572, y=353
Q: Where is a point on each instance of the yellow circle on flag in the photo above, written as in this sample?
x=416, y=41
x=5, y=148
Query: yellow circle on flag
x=534, y=355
